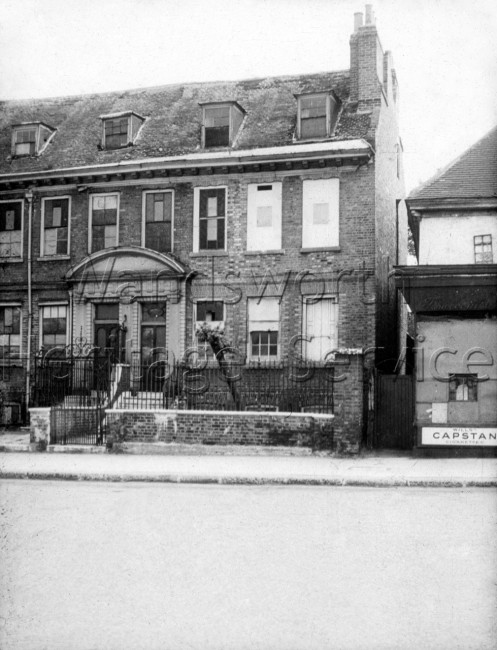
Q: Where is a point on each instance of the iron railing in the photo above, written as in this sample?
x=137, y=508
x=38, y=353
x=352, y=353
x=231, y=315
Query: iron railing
x=300, y=386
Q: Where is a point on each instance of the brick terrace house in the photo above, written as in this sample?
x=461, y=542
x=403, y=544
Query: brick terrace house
x=453, y=295
x=269, y=207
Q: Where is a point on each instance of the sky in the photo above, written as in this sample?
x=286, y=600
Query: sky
x=443, y=50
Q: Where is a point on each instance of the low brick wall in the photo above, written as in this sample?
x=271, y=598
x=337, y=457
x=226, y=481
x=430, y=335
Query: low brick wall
x=340, y=433
x=220, y=428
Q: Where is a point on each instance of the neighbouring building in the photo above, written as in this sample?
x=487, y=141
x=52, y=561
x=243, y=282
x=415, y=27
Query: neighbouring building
x=271, y=208
x=453, y=296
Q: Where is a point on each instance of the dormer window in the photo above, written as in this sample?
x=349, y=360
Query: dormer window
x=316, y=116
x=220, y=123
x=120, y=129
x=30, y=138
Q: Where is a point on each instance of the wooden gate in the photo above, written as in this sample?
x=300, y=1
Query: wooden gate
x=394, y=411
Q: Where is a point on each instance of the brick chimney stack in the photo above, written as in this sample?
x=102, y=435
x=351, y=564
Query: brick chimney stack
x=366, y=60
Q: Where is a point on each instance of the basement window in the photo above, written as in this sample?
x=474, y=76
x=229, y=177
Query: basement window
x=463, y=388
x=221, y=123
x=120, y=129
x=30, y=138
x=316, y=116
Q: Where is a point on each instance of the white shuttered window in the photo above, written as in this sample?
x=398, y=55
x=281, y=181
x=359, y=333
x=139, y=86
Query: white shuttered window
x=320, y=213
x=321, y=328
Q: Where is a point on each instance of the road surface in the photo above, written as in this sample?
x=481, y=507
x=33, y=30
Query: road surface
x=106, y=566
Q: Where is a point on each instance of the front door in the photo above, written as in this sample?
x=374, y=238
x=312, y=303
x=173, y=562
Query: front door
x=107, y=331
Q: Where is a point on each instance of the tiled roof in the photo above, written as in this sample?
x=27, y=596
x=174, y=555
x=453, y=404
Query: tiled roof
x=471, y=175
x=173, y=119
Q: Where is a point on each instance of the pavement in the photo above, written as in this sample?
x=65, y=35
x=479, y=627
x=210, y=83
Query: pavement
x=182, y=465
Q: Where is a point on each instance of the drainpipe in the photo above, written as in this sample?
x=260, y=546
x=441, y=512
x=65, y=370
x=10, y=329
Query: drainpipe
x=29, y=199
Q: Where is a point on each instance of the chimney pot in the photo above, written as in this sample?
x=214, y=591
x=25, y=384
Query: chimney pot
x=369, y=15
x=357, y=20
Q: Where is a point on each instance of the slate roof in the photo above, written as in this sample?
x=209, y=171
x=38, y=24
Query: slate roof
x=472, y=175
x=173, y=119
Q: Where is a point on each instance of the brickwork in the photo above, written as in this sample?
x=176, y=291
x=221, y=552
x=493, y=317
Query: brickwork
x=222, y=428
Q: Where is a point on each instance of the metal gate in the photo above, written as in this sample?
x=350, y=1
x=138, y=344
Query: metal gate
x=394, y=411
x=77, y=390
x=73, y=424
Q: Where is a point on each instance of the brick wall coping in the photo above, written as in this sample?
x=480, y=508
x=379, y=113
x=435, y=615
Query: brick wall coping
x=40, y=409
x=279, y=414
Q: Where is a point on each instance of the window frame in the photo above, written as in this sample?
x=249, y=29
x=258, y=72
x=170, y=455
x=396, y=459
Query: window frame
x=331, y=110
x=144, y=217
x=481, y=244
x=269, y=358
x=39, y=147
x=233, y=130
x=217, y=323
x=17, y=359
x=196, y=220
x=131, y=134
x=41, y=308
x=16, y=258
x=90, y=220
x=44, y=201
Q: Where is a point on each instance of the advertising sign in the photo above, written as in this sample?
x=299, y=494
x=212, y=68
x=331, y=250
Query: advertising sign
x=467, y=436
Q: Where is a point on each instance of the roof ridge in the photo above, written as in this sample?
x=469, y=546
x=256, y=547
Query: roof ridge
x=206, y=84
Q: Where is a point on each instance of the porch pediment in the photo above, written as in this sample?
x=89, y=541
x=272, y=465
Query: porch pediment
x=126, y=274
x=127, y=262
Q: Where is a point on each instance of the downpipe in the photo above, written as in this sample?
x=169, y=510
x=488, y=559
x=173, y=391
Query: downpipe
x=29, y=199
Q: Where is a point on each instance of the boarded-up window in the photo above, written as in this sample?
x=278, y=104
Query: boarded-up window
x=321, y=328
x=158, y=221
x=103, y=221
x=210, y=219
x=320, y=213
x=56, y=226
x=10, y=229
x=264, y=217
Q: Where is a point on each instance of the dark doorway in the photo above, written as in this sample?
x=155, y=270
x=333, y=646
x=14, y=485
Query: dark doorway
x=107, y=331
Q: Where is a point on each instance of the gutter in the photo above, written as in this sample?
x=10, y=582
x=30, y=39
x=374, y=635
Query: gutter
x=342, y=149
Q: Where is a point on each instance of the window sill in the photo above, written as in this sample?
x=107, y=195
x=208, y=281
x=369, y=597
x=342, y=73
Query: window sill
x=212, y=253
x=275, y=251
x=53, y=258
x=322, y=249
x=10, y=260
